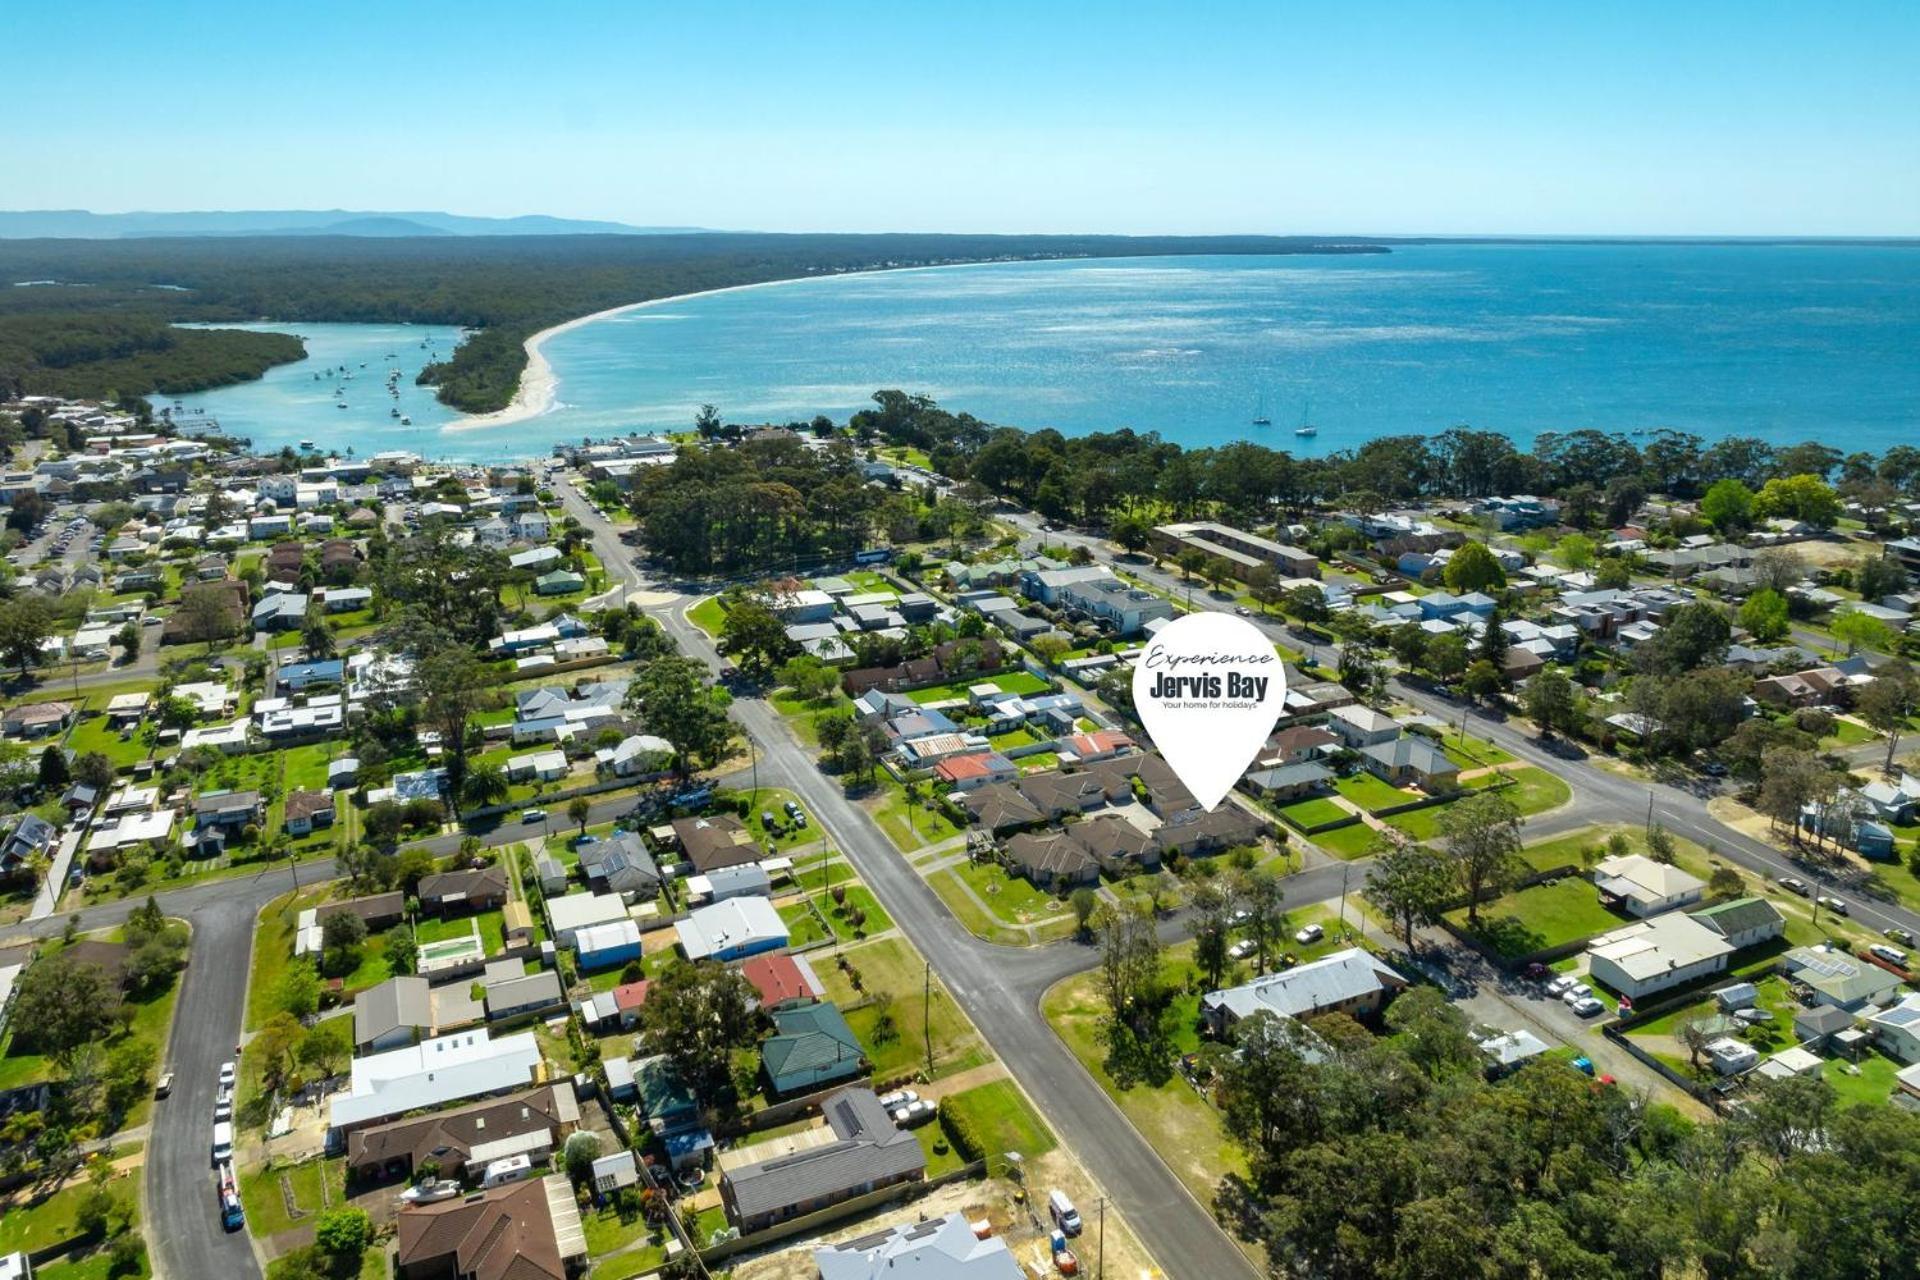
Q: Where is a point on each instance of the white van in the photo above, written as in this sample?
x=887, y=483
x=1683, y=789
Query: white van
x=222, y=1143
x=511, y=1169
x=1065, y=1216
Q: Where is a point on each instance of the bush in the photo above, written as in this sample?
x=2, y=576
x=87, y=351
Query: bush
x=127, y=1255
x=959, y=1130
x=343, y=1233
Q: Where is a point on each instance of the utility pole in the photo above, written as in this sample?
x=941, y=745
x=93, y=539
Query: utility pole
x=1344, y=868
x=926, y=1012
x=1100, y=1246
x=1649, y=813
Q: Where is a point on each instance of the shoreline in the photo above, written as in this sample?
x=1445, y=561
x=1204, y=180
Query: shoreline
x=537, y=394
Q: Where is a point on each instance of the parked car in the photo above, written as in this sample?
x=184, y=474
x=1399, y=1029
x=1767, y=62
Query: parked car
x=1242, y=949
x=1538, y=972
x=793, y=810
x=1588, y=1007
x=1794, y=884
x=1239, y=916
x=164, y=1085
x=1833, y=904
x=1562, y=984
x=898, y=1098
x=1061, y=1210
x=1576, y=993
x=1309, y=935
x=915, y=1113
x=223, y=1106
x=533, y=815
x=1892, y=955
x=227, y=1075
x=1902, y=936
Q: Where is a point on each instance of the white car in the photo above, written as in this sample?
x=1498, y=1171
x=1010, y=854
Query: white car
x=1892, y=955
x=1588, y=1007
x=1242, y=949
x=1561, y=985
x=1575, y=994
x=223, y=1106
x=898, y=1098
x=1309, y=935
x=915, y=1113
x=227, y=1075
x=1834, y=905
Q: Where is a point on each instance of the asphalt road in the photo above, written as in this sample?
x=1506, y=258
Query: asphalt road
x=999, y=987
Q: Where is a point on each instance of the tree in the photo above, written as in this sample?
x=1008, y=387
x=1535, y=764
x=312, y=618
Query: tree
x=1694, y=635
x=1861, y=631
x=53, y=768
x=1790, y=780
x=579, y=809
x=1727, y=506
x=1434, y=1032
x=1614, y=573
x=1576, y=551
x=207, y=614
x=1210, y=928
x=1878, y=577
x=128, y=638
x=699, y=1014
x=316, y=638
x=672, y=699
x=60, y=1005
x=1260, y=895
x=25, y=623
x=1410, y=883
x=341, y=934
x=753, y=635
x=1802, y=497
x=1551, y=701
x=1482, y=833
x=486, y=784
x=1473, y=568
x=1049, y=648
x=707, y=422
x=577, y=1157
x=809, y=678
x=1129, y=969
x=1131, y=532
x=1483, y=680
x=298, y=990
x=274, y=1047
x=1764, y=615
x=450, y=684
x=1778, y=568
x=1083, y=901
x=343, y=1233
x=1309, y=604
x=1446, y=655
x=1889, y=703
x=1263, y=584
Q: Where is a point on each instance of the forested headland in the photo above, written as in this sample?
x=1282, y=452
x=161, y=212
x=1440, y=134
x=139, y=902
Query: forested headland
x=95, y=321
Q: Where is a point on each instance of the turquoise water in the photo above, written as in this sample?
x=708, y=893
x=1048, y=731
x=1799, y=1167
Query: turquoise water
x=1784, y=342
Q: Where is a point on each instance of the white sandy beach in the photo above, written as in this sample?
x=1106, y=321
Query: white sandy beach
x=538, y=385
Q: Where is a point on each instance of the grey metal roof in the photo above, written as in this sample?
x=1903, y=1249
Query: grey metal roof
x=942, y=1249
x=1322, y=984
x=870, y=1149
x=395, y=1003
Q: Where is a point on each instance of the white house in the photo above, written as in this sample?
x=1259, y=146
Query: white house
x=579, y=911
x=1643, y=887
x=1362, y=726
x=1897, y=1028
x=1652, y=955
x=432, y=1074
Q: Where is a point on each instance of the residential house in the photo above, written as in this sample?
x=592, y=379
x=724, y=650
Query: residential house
x=1656, y=954
x=1288, y=782
x=607, y=946
x=1353, y=981
x=973, y=769
x=308, y=811
x=1833, y=977
x=37, y=719
x=523, y=1231
x=27, y=836
x=1052, y=860
x=534, y=1123
x=432, y=1074
x=620, y=865
x=1244, y=551
x=749, y=879
x=635, y=754
x=1411, y=759
x=941, y=1249
x=715, y=841
x=783, y=981
x=1744, y=922
x=732, y=930
x=228, y=810
x=396, y=1013
x=576, y=911
x=463, y=892
x=868, y=1153
x=527, y=995
x=1642, y=887
x=1359, y=726
x=811, y=1047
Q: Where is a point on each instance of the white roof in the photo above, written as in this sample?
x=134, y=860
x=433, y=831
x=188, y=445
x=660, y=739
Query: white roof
x=726, y=925
x=1652, y=947
x=604, y=937
x=1656, y=881
x=580, y=910
x=1321, y=984
x=434, y=1073
x=133, y=828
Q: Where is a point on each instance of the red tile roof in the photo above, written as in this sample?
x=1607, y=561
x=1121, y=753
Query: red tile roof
x=630, y=995
x=778, y=979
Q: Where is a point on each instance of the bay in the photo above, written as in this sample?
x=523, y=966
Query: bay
x=1785, y=342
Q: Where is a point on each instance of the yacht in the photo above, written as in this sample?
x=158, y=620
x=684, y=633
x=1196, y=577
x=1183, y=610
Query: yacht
x=405, y=421
x=306, y=444
x=1306, y=427
x=1260, y=418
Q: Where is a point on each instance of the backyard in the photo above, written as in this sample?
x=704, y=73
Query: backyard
x=891, y=967
x=1541, y=916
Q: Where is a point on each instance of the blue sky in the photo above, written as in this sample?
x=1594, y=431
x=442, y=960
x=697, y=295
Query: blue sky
x=1460, y=118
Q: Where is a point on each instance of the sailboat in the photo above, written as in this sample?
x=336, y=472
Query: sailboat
x=1306, y=427
x=1260, y=418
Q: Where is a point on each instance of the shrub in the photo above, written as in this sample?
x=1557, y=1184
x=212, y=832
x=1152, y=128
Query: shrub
x=958, y=1126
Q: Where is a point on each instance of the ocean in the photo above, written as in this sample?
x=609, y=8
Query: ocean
x=1784, y=342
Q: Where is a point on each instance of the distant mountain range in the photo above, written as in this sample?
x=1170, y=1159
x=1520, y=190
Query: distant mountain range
x=79, y=224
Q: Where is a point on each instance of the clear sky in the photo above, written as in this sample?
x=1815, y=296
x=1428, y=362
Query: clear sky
x=1362, y=116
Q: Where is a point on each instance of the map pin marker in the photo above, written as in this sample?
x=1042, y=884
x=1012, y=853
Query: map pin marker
x=1209, y=687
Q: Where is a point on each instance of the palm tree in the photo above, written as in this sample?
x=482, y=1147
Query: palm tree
x=486, y=784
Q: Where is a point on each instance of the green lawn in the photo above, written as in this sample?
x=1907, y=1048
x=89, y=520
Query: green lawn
x=265, y=1204
x=1002, y=1119
x=1012, y=898
x=1356, y=841
x=29, y=1225
x=1370, y=793
x=892, y=968
x=273, y=950
x=1312, y=812
x=857, y=898
x=708, y=615
x=772, y=801
x=92, y=734
x=1545, y=915
x=605, y=1231
x=909, y=826
x=1873, y=1084
x=1848, y=734
x=1536, y=791
x=804, y=927
x=433, y=929
x=1470, y=752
